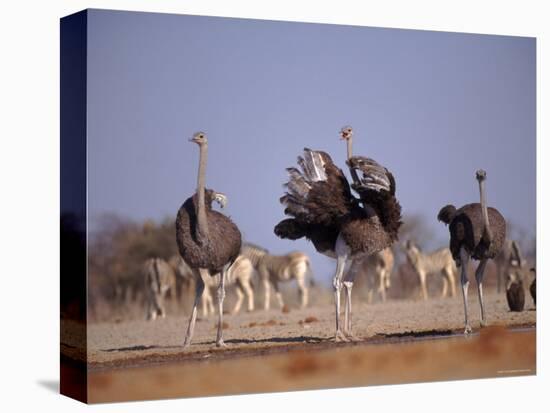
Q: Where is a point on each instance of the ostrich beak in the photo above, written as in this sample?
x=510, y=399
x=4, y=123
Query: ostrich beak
x=481, y=175
x=345, y=133
x=221, y=199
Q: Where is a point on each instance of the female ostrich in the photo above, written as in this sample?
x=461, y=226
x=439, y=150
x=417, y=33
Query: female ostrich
x=477, y=232
x=533, y=287
x=208, y=241
x=341, y=226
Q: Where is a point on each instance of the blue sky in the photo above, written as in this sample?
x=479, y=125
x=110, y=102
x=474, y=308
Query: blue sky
x=431, y=106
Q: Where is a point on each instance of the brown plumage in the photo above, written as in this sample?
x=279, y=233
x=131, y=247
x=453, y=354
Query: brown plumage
x=208, y=241
x=466, y=229
x=327, y=208
x=478, y=232
x=323, y=210
x=515, y=295
x=533, y=287
x=223, y=245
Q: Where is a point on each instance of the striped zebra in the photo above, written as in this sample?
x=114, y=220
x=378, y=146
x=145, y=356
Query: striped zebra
x=273, y=269
x=239, y=274
x=377, y=269
x=439, y=261
x=159, y=278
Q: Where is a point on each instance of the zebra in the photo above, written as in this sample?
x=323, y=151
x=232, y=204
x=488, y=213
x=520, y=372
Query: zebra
x=159, y=278
x=440, y=260
x=377, y=268
x=240, y=273
x=273, y=269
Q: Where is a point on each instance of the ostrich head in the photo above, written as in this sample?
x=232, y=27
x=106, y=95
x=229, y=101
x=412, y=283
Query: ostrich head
x=199, y=138
x=346, y=133
x=212, y=196
x=481, y=175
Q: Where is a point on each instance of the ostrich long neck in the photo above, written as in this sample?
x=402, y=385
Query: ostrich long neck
x=352, y=171
x=202, y=222
x=483, y=202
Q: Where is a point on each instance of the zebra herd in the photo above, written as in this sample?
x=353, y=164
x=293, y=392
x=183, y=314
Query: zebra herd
x=160, y=276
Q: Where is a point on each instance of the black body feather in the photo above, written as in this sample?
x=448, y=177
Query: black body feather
x=515, y=295
x=467, y=230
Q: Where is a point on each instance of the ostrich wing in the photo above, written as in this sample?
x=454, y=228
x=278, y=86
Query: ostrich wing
x=318, y=193
x=371, y=174
x=376, y=188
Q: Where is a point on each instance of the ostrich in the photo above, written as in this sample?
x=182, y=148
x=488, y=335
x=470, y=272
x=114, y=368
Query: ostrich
x=477, y=232
x=341, y=226
x=533, y=287
x=208, y=241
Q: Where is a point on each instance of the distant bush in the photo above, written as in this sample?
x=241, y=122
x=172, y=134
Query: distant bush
x=116, y=253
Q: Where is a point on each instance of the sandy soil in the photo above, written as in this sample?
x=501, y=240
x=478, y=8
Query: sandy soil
x=400, y=342
x=112, y=345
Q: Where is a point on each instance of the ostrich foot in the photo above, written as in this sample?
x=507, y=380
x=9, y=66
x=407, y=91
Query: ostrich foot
x=352, y=337
x=467, y=330
x=220, y=343
x=186, y=343
x=340, y=337
x=483, y=323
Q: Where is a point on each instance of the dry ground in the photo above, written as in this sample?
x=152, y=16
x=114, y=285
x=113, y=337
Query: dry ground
x=401, y=341
x=120, y=344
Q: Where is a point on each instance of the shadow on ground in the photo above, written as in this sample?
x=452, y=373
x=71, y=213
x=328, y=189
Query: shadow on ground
x=51, y=385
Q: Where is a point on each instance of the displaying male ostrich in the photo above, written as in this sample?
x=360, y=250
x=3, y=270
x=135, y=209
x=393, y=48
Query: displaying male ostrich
x=208, y=241
x=477, y=232
x=341, y=226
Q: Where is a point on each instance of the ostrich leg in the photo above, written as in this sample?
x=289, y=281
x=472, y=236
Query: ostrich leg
x=348, y=285
x=464, y=257
x=221, y=296
x=199, y=288
x=479, y=278
x=337, y=284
